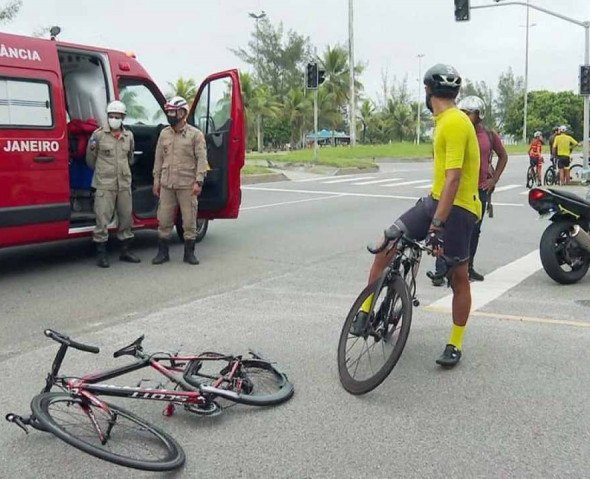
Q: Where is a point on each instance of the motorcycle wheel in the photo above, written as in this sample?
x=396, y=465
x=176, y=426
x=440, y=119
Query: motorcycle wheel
x=562, y=259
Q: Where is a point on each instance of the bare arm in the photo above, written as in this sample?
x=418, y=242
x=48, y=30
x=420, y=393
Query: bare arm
x=447, y=197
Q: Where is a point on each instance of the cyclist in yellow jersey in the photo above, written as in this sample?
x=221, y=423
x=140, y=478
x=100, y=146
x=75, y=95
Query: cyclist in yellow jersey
x=445, y=218
x=563, y=145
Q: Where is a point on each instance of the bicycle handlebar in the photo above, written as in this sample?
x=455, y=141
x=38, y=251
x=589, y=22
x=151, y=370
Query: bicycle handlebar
x=63, y=339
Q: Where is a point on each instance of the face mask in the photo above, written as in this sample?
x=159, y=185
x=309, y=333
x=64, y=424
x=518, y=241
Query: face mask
x=429, y=102
x=172, y=120
x=115, y=123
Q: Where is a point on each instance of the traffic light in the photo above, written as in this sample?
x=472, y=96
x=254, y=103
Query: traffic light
x=585, y=80
x=321, y=76
x=312, y=75
x=461, y=10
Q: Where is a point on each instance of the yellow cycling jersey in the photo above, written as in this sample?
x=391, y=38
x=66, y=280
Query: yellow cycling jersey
x=563, y=144
x=456, y=146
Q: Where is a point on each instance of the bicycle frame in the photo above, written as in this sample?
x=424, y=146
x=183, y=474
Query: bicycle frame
x=91, y=385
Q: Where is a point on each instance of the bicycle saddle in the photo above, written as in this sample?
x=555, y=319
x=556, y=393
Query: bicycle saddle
x=130, y=349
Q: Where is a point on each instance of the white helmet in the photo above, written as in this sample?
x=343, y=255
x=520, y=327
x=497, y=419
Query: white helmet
x=538, y=134
x=473, y=104
x=117, y=107
x=563, y=129
x=176, y=103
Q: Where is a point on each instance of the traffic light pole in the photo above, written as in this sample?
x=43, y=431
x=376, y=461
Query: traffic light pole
x=315, y=126
x=586, y=25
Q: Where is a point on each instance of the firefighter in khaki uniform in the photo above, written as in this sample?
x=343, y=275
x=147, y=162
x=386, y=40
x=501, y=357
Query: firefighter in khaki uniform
x=180, y=167
x=109, y=154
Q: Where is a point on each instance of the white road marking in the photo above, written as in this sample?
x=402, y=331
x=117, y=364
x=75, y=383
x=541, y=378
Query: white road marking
x=289, y=202
x=496, y=283
x=525, y=192
x=343, y=194
x=424, y=186
x=374, y=182
x=506, y=188
x=317, y=178
x=413, y=182
x=346, y=180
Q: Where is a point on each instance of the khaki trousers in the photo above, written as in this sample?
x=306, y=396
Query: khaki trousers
x=106, y=202
x=169, y=200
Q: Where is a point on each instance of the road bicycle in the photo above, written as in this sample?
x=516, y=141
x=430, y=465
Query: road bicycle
x=77, y=416
x=366, y=358
x=552, y=173
x=532, y=178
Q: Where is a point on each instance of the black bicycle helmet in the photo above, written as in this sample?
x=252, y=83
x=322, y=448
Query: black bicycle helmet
x=442, y=79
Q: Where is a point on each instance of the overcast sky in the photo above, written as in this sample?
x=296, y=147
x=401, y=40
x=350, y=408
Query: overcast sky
x=193, y=37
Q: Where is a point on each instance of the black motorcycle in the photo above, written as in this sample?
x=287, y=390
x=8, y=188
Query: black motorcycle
x=565, y=244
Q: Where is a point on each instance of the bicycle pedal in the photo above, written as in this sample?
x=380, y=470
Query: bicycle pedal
x=169, y=410
x=416, y=302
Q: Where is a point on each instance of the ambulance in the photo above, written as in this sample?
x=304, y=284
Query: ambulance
x=54, y=94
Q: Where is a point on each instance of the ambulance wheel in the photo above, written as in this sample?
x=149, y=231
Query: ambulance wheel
x=202, y=225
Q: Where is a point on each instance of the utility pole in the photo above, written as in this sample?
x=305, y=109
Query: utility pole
x=352, y=119
x=526, y=77
x=419, y=109
x=315, y=126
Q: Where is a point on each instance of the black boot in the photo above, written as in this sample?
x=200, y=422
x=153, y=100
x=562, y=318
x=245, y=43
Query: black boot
x=126, y=255
x=162, y=255
x=101, y=255
x=474, y=275
x=189, y=252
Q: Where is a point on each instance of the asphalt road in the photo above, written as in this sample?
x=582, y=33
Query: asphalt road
x=281, y=280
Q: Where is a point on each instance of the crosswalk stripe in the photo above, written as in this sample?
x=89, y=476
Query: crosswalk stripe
x=346, y=180
x=374, y=182
x=318, y=178
x=525, y=192
x=424, y=186
x=413, y=182
x=506, y=188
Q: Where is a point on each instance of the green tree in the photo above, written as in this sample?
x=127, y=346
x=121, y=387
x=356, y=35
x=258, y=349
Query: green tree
x=366, y=114
x=263, y=105
x=510, y=88
x=546, y=110
x=278, y=59
x=134, y=109
x=10, y=11
x=186, y=88
x=298, y=109
x=248, y=87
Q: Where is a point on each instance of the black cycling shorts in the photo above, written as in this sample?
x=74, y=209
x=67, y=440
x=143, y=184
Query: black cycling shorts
x=457, y=232
x=563, y=161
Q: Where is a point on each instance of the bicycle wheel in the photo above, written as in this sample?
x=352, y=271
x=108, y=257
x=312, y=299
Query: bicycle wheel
x=576, y=173
x=364, y=361
x=127, y=440
x=550, y=176
x=530, y=177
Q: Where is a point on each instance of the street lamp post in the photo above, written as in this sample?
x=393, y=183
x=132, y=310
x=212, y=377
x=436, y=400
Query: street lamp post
x=418, y=110
x=526, y=78
x=256, y=18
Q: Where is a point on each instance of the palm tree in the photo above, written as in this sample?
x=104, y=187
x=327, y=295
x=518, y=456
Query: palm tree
x=366, y=112
x=263, y=105
x=186, y=88
x=297, y=109
x=248, y=87
x=134, y=109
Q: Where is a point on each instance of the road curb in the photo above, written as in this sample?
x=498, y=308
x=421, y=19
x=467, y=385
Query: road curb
x=263, y=178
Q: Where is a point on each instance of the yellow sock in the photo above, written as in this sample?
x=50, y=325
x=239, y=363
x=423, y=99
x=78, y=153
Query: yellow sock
x=366, y=306
x=456, y=338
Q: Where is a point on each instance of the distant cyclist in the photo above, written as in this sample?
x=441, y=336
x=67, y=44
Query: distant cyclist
x=563, y=145
x=536, y=155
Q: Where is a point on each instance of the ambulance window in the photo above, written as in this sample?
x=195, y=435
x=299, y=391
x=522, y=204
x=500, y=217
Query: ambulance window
x=142, y=106
x=25, y=103
x=213, y=111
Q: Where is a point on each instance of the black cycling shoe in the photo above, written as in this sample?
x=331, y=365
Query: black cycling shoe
x=438, y=279
x=358, y=323
x=450, y=357
x=475, y=276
